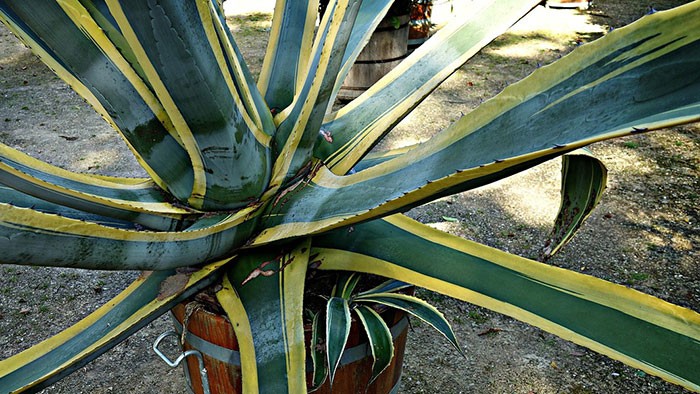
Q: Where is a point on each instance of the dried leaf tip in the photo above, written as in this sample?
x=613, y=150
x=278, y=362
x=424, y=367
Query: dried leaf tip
x=326, y=135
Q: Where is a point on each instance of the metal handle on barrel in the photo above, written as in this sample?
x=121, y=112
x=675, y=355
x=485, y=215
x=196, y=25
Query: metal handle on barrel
x=181, y=357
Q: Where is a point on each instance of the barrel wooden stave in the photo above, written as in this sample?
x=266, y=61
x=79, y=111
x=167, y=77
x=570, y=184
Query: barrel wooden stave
x=213, y=336
x=387, y=47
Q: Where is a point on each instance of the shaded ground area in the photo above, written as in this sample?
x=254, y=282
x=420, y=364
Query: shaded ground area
x=645, y=234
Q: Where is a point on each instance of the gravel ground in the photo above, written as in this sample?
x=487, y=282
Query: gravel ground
x=644, y=235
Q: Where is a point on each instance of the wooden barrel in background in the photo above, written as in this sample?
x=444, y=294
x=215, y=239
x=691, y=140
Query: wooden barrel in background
x=387, y=47
x=213, y=336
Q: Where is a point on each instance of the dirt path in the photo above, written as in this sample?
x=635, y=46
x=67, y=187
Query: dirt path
x=645, y=234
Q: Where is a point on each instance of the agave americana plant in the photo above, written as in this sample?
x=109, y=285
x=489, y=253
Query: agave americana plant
x=262, y=178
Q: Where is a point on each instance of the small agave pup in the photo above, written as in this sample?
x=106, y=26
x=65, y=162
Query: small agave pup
x=236, y=188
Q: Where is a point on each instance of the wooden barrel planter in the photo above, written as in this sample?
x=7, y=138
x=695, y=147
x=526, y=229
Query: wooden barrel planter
x=387, y=47
x=212, y=335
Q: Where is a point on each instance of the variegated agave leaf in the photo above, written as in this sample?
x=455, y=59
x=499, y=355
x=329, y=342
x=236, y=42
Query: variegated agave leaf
x=255, y=177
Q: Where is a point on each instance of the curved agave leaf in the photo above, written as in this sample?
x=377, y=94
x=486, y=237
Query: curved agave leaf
x=390, y=285
x=101, y=15
x=68, y=44
x=624, y=80
x=300, y=123
x=146, y=299
x=357, y=127
x=345, y=285
x=318, y=355
x=35, y=238
x=337, y=331
x=368, y=18
x=417, y=308
x=264, y=297
x=18, y=199
x=377, y=157
x=640, y=330
x=338, y=322
x=253, y=101
x=380, y=340
x=232, y=160
x=288, y=51
x=584, y=179
x=233, y=306
x=136, y=200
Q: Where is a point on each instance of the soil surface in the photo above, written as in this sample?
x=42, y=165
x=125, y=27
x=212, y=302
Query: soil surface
x=645, y=234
